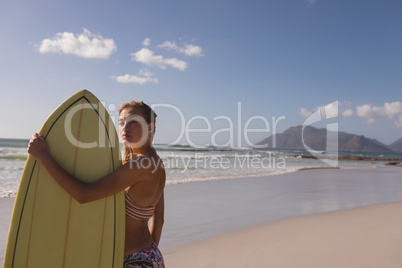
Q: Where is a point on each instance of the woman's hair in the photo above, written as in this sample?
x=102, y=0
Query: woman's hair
x=147, y=113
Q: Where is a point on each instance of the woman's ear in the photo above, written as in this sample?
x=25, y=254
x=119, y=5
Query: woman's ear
x=151, y=127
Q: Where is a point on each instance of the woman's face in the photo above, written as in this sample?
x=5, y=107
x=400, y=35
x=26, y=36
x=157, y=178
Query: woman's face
x=133, y=128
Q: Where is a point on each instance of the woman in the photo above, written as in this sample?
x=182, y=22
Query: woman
x=142, y=176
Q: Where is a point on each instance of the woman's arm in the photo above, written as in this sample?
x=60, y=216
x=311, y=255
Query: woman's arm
x=108, y=185
x=157, y=220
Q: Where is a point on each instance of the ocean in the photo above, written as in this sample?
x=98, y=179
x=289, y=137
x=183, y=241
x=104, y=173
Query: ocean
x=186, y=164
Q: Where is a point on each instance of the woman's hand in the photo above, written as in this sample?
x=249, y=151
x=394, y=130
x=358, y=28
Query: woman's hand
x=38, y=147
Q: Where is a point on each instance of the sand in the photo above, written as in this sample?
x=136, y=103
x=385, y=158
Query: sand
x=6, y=208
x=308, y=219
x=357, y=238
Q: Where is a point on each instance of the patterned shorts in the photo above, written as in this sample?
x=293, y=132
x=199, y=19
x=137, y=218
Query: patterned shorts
x=149, y=257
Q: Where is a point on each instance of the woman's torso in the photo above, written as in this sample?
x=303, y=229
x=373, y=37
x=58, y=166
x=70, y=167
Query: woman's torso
x=145, y=193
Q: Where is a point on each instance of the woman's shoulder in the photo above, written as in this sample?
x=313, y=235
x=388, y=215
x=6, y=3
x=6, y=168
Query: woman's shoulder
x=146, y=161
x=147, y=164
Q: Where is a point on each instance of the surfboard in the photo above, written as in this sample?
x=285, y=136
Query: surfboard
x=48, y=227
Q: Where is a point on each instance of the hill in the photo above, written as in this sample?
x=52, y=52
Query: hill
x=315, y=138
x=396, y=146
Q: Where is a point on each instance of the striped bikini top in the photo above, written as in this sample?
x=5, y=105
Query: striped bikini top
x=136, y=211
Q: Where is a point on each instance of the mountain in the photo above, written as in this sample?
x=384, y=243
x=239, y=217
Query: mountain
x=396, y=146
x=316, y=138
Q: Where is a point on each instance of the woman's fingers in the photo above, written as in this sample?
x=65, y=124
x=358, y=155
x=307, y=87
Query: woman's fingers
x=37, y=146
x=37, y=137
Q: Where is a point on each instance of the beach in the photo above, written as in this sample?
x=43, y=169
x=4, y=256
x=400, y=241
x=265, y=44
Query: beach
x=312, y=218
x=358, y=238
x=309, y=218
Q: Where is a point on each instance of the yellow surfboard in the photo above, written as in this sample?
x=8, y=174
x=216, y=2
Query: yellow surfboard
x=48, y=227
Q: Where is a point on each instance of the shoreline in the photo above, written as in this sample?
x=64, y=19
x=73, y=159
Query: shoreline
x=199, y=211
x=13, y=163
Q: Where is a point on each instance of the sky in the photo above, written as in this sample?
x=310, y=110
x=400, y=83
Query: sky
x=238, y=71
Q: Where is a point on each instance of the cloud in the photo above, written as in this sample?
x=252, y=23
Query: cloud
x=332, y=110
x=189, y=50
x=148, y=57
x=135, y=79
x=311, y=1
x=304, y=112
x=370, y=121
x=146, y=72
x=391, y=110
x=371, y=112
x=85, y=45
x=146, y=42
x=347, y=112
x=128, y=78
x=345, y=109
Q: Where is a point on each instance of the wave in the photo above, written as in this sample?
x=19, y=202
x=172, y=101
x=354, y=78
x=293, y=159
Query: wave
x=8, y=194
x=21, y=157
x=10, y=169
x=220, y=154
x=315, y=168
x=15, y=143
x=183, y=168
x=227, y=177
x=190, y=148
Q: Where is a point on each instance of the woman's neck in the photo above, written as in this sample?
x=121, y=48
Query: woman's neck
x=143, y=151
